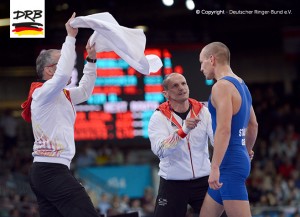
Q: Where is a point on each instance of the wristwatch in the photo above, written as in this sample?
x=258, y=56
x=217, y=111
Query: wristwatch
x=90, y=60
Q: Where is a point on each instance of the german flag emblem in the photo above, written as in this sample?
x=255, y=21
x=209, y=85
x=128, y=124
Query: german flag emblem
x=27, y=19
x=28, y=28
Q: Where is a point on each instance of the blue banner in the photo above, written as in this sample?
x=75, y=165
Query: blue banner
x=123, y=180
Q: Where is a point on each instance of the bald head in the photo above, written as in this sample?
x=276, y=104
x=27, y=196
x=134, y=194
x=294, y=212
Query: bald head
x=169, y=77
x=219, y=50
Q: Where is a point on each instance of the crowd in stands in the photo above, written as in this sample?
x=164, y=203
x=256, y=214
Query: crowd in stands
x=123, y=204
x=274, y=180
x=275, y=176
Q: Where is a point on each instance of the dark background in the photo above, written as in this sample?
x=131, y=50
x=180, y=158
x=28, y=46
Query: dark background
x=167, y=25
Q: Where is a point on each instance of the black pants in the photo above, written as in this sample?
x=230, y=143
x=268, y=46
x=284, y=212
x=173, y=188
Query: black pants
x=174, y=196
x=58, y=193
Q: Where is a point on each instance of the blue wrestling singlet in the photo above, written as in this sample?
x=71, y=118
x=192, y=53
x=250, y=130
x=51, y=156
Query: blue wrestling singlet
x=235, y=167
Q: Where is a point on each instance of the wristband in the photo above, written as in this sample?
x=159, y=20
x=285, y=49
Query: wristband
x=90, y=60
x=183, y=131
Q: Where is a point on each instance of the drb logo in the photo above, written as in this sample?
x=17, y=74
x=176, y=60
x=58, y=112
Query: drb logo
x=27, y=19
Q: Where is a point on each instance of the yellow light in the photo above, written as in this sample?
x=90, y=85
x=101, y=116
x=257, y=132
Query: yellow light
x=4, y=22
x=142, y=27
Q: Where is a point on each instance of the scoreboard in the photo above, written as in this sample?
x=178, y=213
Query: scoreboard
x=123, y=100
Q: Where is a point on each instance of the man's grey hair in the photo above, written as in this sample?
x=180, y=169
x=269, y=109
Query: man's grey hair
x=43, y=60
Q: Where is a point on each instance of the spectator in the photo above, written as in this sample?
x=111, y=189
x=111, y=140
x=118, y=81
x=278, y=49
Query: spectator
x=116, y=157
x=104, y=204
x=124, y=204
x=8, y=126
x=148, y=202
x=136, y=207
x=87, y=157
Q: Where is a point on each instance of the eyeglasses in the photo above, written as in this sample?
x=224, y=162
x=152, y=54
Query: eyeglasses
x=54, y=64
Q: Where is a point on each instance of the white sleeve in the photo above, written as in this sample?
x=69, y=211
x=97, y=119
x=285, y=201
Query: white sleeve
x=52, y=87
x=86, y=85
x=163, y=143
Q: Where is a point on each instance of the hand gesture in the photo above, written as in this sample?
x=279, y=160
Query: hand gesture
x=191, y=123
x=91, y=50
x=251, y=154
x=70, y=30
x=213, y=179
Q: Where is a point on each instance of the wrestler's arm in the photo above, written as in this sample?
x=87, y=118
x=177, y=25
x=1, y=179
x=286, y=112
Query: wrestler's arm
x=251, y=133
x=222, y=100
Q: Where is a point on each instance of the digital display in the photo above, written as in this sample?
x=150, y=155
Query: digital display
x=123, y=100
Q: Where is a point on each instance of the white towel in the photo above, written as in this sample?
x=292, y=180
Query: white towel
x=128, y=43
